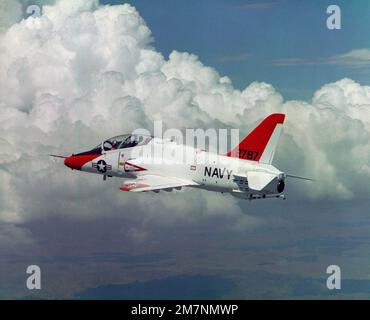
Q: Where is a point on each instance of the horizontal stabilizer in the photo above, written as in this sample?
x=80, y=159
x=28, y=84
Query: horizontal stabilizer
x=258, y=180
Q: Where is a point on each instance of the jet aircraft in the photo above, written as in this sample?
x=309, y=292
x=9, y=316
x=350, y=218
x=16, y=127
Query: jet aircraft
x=245, y=172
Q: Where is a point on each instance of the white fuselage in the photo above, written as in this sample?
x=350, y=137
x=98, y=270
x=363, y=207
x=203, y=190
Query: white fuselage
x=208, y=170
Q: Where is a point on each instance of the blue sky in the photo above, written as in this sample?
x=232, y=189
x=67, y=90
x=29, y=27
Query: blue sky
x=245, y=39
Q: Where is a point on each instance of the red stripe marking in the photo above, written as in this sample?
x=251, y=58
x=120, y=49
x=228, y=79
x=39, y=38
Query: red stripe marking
x=132, y=186
x=138, y=168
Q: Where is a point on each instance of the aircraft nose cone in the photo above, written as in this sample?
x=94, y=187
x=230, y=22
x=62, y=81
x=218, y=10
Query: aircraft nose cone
x=77, y=161
x=71, y=162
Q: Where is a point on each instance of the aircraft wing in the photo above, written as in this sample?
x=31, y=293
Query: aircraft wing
x=152, y=182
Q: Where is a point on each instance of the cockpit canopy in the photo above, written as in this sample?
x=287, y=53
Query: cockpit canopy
x=125, y=141
x=120, y=142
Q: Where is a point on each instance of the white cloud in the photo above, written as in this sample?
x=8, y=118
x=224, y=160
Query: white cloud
x=355, y=59
x=83, y=72
x=11, y=236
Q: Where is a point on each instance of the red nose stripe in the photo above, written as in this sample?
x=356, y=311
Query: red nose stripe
x=76, y=162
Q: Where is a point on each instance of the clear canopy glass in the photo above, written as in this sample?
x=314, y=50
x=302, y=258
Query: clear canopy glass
x=126, y=141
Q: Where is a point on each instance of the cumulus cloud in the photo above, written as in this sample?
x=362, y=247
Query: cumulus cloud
x=83, y=72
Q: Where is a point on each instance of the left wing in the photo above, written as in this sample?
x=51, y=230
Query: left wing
x=152, y=182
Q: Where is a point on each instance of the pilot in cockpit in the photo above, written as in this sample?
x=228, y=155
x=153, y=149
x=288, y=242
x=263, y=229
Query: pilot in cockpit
x=115, y=144
x=125, y=141
x=133, y=141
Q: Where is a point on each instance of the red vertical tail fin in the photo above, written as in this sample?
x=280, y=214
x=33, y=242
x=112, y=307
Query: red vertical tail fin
x=261, y=143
